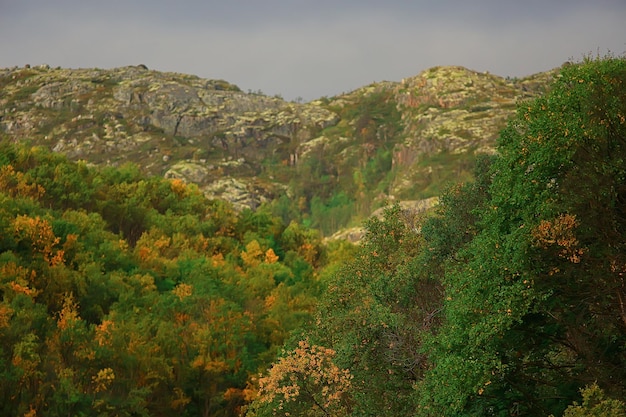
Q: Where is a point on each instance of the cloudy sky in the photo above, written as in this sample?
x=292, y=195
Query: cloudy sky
x=310, y=48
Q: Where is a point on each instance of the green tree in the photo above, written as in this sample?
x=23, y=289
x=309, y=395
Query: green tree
x=595, y=404
x=136, y=296
x=374, y=312
x=532, y=306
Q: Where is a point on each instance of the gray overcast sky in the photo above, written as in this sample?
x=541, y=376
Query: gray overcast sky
x=309, y=48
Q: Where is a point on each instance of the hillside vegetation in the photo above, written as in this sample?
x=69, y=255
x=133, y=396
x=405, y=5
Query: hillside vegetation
x=508, y=301
x=128, y=294
x=328, y=164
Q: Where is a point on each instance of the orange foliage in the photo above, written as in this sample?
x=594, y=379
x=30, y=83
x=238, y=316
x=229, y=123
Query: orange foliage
x=162, y=243
x=145, y=253
x=183, y=291
x=560, y=232
x=181, y=318
x=70, y=241
x=22, y=289
x=178, y=187
x=200, y=243
x=39, y=233
x=270, y=256
x=233, y=394
x=103, y=379
x=180, y=400
x=16, y=185
x=307, y=373
x=152, y=248
x=31, y=412
x=57, y=259
x=217, y=260
x=5, y=315
x=103, y=333
x=270, y=300
x=23, y=279
x=69, y=313
x=209, y=365
x=308, y=252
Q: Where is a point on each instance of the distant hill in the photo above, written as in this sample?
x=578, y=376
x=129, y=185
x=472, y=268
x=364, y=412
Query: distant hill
x=328, y=163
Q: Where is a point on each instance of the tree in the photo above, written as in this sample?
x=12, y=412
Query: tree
x=595, y=404
x=137, y=296
x=305, y=382
x=374, y=312
x=533, y=303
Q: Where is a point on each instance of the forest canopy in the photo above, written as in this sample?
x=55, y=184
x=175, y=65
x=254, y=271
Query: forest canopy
x=131, y=295
x=509, y=300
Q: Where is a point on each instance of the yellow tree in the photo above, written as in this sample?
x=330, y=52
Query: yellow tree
x=218, y=342
x=70, y=358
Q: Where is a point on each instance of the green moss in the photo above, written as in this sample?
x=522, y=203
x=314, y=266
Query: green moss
x=23, y=94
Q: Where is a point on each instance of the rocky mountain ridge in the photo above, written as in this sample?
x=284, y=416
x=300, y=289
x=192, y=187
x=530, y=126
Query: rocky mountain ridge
x=389, y=140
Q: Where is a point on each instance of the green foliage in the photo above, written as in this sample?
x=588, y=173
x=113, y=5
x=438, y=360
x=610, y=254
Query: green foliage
x=128, y=295
x=332, y=214
x=529, y=297
x=339, y=178
x=595, y=404
x=435, y=173
x=368, y=316
x=122, y=294
x=507, y=299
x=456, y=221
x=23, y=94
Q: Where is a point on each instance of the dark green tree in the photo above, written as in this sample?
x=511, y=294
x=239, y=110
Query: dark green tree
x=534, y=302
x=374, y=312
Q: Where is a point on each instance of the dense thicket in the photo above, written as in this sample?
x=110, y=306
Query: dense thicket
x=509, y=300
x=123, y=295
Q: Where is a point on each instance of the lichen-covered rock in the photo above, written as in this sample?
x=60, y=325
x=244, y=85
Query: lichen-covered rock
x=189, y=172
x=453, y=110
x=240, y=193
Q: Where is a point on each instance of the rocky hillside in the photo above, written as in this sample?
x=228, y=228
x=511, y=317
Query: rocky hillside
x=326, y=162
x=448, y=115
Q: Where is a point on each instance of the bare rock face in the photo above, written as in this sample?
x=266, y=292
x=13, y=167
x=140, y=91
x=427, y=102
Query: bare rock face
x=453, y=109
x=241, y=194
x=190, y=171
x=433, y=125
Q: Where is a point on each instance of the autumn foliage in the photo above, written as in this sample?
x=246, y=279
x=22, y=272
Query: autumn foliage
x=508, y=299
x=306, y=382
x=127, y=295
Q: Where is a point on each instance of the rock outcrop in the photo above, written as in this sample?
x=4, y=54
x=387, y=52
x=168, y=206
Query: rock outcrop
x=456, y=112
x=171, y=124
x=389, y=140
